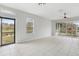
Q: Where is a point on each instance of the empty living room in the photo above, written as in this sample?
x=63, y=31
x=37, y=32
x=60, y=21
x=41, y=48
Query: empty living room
x=39, y=29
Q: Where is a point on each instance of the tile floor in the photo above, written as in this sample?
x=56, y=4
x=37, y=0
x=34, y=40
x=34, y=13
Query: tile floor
x=52, y=46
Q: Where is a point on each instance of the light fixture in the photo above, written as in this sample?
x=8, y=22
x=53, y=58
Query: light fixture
x=41, y=4
x=65, y=15
x=67, y=18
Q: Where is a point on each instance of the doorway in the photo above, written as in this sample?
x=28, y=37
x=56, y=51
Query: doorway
x=68, y=29
x=7, y=31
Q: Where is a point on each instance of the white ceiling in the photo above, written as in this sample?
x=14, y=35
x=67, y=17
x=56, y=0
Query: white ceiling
x=49, y=11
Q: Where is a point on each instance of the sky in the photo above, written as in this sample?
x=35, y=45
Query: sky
x=8, y=21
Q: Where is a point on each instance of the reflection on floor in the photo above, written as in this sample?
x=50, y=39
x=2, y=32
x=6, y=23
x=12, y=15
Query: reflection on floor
x=52, y=46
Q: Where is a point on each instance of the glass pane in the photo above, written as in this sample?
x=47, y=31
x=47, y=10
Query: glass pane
x=7, y=31
x=29, y=27
x=71, y=29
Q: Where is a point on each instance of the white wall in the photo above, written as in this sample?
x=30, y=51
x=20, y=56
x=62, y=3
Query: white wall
x=42, y=27
x=53, y=26
x=0, y=31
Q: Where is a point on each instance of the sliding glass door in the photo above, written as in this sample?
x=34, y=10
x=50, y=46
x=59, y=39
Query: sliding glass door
x=7, y=31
